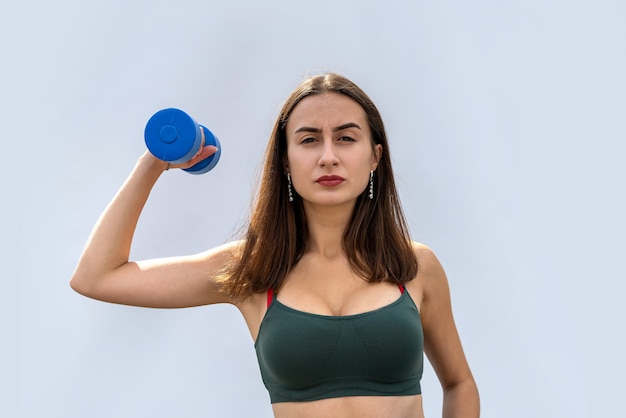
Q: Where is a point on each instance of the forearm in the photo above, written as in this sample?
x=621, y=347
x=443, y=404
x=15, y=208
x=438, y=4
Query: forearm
x=461, y=401
x=108, y=246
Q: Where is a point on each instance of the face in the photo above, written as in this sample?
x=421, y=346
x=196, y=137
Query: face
x=330, y=151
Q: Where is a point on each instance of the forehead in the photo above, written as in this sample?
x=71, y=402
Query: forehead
x=326, y=110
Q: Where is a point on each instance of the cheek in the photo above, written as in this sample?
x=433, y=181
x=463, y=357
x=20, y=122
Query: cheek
x=299, y=176
x=297, y=168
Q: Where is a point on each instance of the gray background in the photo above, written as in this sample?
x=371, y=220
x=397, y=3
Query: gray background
x=506, y=122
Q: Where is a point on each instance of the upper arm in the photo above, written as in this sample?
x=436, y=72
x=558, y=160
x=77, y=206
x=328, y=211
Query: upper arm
x=173, y=282
x=442, y=344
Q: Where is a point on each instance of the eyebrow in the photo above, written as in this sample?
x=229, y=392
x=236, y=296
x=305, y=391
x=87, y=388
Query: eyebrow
x=337, y=129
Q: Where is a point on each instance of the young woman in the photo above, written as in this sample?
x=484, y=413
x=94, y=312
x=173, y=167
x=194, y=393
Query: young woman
x=340, y=302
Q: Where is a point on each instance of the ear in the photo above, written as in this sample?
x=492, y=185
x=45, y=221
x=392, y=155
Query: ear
x=285, y=165
x=378, y=153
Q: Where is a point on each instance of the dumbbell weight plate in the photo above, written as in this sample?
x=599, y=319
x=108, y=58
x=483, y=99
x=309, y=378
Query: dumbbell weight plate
x=173, y=136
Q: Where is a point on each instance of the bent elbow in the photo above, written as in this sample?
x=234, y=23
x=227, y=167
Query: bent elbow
x=79, y=283
x=76, y=284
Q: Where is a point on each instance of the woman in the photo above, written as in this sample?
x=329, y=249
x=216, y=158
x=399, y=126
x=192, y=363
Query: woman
x=340, y=302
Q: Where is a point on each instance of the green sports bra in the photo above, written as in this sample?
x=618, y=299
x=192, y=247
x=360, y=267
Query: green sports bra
x=306, y=357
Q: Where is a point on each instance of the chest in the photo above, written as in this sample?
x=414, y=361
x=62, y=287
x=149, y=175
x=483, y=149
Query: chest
x=334, y=289
x=298, y=350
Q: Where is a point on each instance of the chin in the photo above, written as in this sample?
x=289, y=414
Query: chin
x=331, y=201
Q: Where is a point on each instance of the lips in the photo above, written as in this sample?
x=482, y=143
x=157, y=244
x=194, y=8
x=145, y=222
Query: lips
x=330, y=181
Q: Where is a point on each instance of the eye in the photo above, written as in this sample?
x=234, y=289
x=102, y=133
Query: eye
x=346, y=139
x=307, y=140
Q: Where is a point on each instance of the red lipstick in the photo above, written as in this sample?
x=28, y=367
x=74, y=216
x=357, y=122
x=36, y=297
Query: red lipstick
x=330, y=181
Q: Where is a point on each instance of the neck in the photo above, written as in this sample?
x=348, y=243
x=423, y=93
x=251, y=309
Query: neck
x=326, y=226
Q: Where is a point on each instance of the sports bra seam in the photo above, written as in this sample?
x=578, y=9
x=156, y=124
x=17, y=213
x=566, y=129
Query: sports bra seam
x=336, y=379
x=321, y=394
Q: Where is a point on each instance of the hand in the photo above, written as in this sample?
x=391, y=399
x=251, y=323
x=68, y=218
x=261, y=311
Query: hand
x=205, y=151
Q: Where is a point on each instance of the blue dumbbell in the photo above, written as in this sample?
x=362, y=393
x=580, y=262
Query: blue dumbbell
x=172, y=135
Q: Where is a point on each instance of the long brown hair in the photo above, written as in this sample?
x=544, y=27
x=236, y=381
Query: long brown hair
x=376, y=240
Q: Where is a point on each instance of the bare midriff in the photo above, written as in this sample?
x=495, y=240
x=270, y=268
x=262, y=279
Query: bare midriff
x=353, y=406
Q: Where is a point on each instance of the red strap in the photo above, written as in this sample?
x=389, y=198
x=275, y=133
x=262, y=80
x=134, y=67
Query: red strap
x=270, y=296
x=401, y=288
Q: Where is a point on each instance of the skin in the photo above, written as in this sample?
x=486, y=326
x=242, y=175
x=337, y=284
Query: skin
x=327, y=134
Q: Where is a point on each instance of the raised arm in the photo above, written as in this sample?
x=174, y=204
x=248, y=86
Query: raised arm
x=442, y=344
x=104, y=271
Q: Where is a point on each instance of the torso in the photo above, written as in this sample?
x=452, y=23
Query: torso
x=330, y=287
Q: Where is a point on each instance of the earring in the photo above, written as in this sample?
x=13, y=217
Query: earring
x=289, y=187
x=371, y=195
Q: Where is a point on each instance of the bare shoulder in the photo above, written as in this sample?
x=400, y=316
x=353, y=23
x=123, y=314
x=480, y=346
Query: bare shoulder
x=223, y=253
x=430, y=273
x=425, y=256
x=253, y=306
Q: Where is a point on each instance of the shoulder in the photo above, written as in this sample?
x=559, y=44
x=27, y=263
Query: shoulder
x=221, y=260
x=424, y=254
x=430, y=273
x=429, y=265
x=228, y=255
x=217, y=259
x=230, y=249
x=214, y=264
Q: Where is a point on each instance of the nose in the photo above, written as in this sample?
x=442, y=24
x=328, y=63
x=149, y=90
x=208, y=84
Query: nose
x=329, y=156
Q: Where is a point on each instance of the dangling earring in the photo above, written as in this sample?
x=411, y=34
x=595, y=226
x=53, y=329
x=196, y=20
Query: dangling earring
x=371, y=196
x=289, y=187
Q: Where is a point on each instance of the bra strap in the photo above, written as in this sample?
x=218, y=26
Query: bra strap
x=401, y=286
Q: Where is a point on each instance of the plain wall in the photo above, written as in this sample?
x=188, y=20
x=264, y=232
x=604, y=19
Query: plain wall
x=506, y=127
